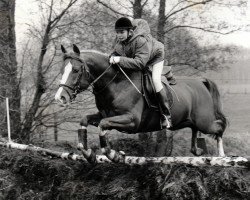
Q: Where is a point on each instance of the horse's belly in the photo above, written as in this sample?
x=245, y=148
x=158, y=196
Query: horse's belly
x=150, y=121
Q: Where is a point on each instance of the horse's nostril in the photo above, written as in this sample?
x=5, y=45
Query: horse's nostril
x=63, y=99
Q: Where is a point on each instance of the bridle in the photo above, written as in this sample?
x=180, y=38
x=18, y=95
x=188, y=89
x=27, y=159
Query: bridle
x=77, y=88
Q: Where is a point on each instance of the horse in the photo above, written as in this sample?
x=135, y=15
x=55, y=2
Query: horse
x=196, y=103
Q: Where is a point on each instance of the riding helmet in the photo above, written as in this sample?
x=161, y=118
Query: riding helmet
x=123, y=23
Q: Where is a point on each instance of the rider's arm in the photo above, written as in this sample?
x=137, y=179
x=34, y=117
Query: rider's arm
x=141, y=57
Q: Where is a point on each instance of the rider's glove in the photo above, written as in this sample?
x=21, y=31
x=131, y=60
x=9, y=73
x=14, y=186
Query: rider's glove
x=114, y=59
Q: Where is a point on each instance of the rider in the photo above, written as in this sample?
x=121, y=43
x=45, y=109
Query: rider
x=134, y=49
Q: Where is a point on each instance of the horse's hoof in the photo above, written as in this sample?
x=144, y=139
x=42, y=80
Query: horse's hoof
x=79, y=146
x=197, y=151
x=116, y=157
x=89, y=155
x=122, y=156
x=92, y=158
x=119, y=157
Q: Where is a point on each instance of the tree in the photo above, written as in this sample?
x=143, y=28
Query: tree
x=8, y=64
x=161, y=21
x=45, y=37
x=76, y=26
x=130, y=8
x=181, y=31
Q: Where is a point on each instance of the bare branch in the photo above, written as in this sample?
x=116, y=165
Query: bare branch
x=54, y=22
x=144, y=3
x=187, y=7
x=203, y=29
x=112, y=9
x=45, y=69
x=175, y=6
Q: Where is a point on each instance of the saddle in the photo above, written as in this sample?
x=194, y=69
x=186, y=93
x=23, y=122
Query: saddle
x=149, y=91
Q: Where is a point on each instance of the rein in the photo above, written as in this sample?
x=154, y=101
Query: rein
x=106, y=84
x=100, y=76
x=129, y=79
x=76, y=88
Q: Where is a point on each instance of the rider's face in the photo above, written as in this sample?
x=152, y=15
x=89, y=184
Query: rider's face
x=122, y=35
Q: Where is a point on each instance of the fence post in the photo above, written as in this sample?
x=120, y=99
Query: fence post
x=8, y=119
x=55, y=128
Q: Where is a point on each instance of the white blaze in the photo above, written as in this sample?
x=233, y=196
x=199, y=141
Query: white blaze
x=65, y=76
x=67, y=70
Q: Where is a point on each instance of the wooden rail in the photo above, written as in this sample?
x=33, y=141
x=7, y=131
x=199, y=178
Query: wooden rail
x=131, y=160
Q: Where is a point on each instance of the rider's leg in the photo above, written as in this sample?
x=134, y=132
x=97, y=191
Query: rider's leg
x=156, y=75
x=161, y=93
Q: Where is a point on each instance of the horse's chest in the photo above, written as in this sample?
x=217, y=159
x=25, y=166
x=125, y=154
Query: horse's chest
x=105, y=106
x=117, y=105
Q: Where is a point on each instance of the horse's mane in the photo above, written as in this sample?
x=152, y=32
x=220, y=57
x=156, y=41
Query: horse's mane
x=94, y=55
x=93, y=51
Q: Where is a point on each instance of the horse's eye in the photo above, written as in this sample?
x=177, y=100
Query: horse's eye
x=74, y=70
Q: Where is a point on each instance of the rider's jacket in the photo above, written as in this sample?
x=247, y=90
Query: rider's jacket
x=141, y=49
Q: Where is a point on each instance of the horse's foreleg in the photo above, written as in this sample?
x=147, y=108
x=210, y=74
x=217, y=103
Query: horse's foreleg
x=194, y=149
x=93, y=119
x=125, y=122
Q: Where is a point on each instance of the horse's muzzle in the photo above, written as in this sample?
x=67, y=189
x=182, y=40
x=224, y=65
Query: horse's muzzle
x=62, y=97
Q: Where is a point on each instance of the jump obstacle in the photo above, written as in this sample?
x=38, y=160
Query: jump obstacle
x=130, y=160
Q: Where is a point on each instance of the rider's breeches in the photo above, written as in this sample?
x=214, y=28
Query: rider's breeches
x=156, y=75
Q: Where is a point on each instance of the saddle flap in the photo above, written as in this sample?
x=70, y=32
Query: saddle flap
x=149, y=90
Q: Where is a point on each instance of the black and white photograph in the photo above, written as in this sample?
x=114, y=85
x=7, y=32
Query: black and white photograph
x=125, y=99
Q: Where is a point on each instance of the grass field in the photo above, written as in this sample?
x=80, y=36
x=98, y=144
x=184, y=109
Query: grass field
x=237, y=135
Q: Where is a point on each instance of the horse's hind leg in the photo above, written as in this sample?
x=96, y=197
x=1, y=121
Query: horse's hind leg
x=216, y=130
x=220, y=146
x=194, y=148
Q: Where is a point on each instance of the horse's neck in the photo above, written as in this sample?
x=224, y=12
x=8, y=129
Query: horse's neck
x=111, y=83
x=99, y=68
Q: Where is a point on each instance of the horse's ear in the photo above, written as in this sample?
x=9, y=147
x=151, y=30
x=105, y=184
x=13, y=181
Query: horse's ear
x=63, y=49
x=76, y=49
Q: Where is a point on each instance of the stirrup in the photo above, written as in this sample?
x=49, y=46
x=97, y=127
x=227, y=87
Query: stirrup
x=166, y=122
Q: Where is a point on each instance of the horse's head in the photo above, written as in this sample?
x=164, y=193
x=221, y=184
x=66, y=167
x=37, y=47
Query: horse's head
x=75, y=76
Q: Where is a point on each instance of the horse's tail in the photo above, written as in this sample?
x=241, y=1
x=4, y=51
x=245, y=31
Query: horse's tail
x=213, y=89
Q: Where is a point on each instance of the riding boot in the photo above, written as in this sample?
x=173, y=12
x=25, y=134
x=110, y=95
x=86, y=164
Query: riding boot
x=166, y=118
